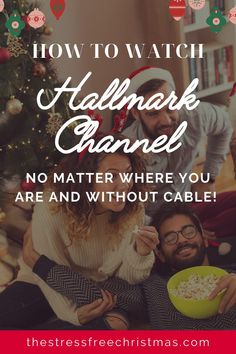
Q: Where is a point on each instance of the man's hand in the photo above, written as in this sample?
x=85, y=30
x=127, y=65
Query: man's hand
x=30, y=256
x=200, y=188
x=146, y=240
x=97, y=308
x=227, y=282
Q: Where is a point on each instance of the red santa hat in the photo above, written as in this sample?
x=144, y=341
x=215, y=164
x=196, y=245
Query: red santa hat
x=145, y=74
x=233, y=91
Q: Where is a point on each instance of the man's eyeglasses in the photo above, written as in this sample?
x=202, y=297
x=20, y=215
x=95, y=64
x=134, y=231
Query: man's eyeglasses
x=172, y=237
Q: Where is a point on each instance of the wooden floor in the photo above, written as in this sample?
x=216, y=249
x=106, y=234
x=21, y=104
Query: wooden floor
x=226, y=181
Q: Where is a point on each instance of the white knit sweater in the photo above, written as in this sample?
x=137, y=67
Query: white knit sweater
x=95, y=257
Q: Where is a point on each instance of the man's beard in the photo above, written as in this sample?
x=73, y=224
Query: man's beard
x=196, y=260
x=153, y=135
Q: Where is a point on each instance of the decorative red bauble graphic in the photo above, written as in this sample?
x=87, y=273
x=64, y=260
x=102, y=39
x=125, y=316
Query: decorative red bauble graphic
x=177, y=9
x=4, y=55
x=57, y=8
x=25, y=19
x=28, y=186
x=36, y=18
x=197, y=4
x=232, y=15
x=1, y=5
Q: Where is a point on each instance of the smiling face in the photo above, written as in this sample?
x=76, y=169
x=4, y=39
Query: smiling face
x=114, y=164
x=156, y=123
x=186, y=252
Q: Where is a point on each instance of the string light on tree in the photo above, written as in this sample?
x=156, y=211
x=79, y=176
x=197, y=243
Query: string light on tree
x=57, y=8
x=177, y=9
x=197, y=4
x=55, y=122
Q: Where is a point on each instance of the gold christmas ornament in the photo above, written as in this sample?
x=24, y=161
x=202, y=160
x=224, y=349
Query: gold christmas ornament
x=55, y=122
x=72, y=126
x=14, y=106
x=15, y=46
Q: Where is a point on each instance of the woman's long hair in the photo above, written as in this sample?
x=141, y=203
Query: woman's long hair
x=79, y=215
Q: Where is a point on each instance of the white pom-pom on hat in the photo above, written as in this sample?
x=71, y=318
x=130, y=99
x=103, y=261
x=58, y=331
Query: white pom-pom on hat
x=224, y=248
x=145, y=74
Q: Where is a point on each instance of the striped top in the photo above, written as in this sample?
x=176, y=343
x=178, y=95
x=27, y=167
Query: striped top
x=96, y=258
x=150, y=298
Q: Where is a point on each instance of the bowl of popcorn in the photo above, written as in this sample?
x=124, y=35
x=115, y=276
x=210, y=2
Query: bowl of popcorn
x=190, y=288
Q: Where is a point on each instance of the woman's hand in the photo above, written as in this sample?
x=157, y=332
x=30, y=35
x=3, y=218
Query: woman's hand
x=146, y=240
x=227, y=282
x=97, y=308
x=200, y=188
x=30, y=256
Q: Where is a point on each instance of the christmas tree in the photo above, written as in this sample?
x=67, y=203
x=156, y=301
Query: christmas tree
x=27, y=133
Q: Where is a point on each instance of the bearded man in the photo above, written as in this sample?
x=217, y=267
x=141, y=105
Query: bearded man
x=206, y=120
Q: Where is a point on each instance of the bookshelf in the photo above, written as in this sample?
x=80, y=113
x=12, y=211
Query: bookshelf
x=161, y=28
x=219, y=53
x=216, y=57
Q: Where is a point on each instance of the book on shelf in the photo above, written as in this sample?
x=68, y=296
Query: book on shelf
x=219, y=3
x=215, y=68
x=189, y=17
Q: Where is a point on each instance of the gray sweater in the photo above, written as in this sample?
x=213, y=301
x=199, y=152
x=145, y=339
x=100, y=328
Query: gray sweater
x=206, y=120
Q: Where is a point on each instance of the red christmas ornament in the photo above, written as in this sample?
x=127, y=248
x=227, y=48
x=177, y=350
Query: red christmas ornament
x=4, y=55
x=28, y=186
x=27, y=26
x=177, y=9
x=57, y=8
